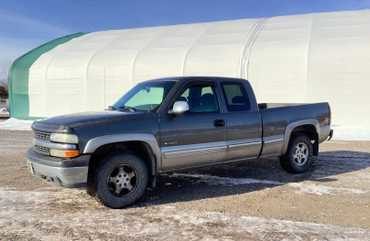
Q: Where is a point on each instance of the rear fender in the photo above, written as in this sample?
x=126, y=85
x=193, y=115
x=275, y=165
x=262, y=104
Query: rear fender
x=289, y=129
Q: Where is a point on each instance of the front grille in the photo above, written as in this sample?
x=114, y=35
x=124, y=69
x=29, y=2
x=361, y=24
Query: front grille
x=41, y=149
x=40, y=135
x=44, y=137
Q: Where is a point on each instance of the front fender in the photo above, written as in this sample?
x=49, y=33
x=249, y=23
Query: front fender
x=93, y=144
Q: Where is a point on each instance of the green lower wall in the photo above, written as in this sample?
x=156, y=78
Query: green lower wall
x=19, y=73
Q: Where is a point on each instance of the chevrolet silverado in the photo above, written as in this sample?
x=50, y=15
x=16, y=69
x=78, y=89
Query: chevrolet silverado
x=171, y=124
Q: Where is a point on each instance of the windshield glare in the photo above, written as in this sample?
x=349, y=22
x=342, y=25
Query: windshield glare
x=144, y=96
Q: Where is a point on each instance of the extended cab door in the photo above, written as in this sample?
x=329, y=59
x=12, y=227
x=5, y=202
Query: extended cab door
x=243, y=120
x=197, y=136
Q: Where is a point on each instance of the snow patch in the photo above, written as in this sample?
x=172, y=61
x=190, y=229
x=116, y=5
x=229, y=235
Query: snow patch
x=304, y=187
x=11, y=198
x=16, y=124
x=321, y=189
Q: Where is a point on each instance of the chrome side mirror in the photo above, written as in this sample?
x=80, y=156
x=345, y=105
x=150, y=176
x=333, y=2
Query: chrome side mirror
x=179, y=107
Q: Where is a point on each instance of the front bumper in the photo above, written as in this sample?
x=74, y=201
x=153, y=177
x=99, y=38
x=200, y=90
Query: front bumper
x=64, y=172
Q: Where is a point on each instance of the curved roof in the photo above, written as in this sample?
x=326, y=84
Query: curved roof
x=300, y=58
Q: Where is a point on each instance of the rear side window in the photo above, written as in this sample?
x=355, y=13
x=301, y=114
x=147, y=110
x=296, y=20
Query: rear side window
x=236, y=97
x=201, y=98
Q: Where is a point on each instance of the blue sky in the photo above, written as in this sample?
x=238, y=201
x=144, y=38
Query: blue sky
x=25, y=24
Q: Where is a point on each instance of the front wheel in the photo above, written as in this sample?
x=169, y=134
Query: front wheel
x=121, y=180
x=299, y=156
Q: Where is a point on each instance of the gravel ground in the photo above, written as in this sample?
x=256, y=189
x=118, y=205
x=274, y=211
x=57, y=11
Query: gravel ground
x=255, y=200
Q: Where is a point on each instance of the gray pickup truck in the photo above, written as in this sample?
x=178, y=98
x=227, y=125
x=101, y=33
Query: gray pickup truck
x=170, y=124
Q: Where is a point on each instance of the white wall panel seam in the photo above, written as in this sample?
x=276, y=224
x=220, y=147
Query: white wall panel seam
x=53, y=54
x=308, y=51
x=88, y=65
x=191, y=47
x=254, y=39
x=55, y=51
x=105, y=88
x=245, y=50
x=154, y=38
x=250, y=39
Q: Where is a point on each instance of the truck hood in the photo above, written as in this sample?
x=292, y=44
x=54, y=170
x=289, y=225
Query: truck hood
x=65, y=123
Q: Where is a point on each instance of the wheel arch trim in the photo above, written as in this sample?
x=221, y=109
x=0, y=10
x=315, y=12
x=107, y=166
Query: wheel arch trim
x=290, y=127
x=149, y=139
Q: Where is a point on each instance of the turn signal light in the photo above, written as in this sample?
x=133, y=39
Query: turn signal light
x=64, y=153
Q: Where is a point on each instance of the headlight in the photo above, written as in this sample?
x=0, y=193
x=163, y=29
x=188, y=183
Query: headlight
x=64, y=153
x=64, y=138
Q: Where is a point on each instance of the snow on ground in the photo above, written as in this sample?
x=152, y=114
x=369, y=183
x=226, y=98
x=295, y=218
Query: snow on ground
x=16, y=124
x=312, y=188
x=304, y=187
x=248, y=202
x=42, y=215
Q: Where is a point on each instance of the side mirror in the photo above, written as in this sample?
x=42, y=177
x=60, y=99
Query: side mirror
x=109, y=108
x=179, y=107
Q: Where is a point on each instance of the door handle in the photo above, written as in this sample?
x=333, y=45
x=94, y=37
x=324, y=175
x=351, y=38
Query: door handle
x=219, y=123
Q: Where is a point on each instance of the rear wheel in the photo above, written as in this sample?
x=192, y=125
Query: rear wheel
x=299, y=156
x=121, y=180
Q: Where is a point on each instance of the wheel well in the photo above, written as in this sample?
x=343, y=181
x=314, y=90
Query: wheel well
x=310, y=132
x=139, y=148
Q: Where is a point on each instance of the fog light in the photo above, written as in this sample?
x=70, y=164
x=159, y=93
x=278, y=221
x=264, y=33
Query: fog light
x=64, y=153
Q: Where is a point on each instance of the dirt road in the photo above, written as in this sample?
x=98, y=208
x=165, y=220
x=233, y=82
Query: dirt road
x=255, y=200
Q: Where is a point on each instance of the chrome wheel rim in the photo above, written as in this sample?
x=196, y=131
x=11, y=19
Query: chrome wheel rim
x=301, y=154
x=122, y=181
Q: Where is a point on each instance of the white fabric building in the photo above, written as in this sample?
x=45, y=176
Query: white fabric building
x=300, y=58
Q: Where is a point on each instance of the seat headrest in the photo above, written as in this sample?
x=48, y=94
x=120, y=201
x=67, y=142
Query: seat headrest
x=238, y=100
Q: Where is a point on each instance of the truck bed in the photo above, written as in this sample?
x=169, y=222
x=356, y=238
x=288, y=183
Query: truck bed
x=278, y=120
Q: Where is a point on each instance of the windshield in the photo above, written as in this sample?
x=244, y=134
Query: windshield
x=144, y=97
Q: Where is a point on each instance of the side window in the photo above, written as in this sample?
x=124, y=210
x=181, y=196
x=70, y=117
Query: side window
x=236, y=97
x=201, y=98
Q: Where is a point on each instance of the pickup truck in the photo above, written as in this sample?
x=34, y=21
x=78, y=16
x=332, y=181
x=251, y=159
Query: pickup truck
x=170, y=124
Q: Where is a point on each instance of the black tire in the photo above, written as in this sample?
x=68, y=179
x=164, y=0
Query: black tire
x=294, y=160
x=106, y=189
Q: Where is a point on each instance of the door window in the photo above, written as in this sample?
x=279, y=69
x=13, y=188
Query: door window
x=236, y=97
x=201, y=98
